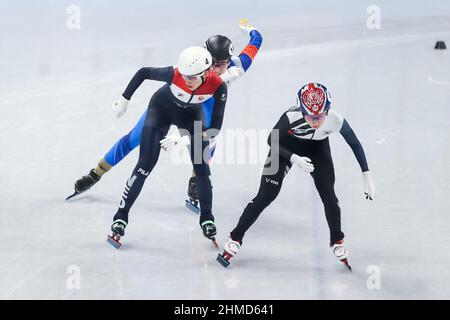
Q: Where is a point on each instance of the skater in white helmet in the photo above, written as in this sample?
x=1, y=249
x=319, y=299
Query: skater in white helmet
x=178, y=102
x=226, y=65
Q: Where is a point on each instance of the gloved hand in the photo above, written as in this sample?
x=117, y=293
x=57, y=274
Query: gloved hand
x=369, y=186
x=302, y=162
x=120, y=107
x=244, y=25
x=171, y=141
x=231, y=74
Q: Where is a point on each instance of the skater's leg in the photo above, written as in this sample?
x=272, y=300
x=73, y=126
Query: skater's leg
x=199, y=153
x=324, y=178
x=207, y=115
x=192, y=184
x=154, y=130
x=205, y=197
x=119, y=151
x=125, y=144
x=203, y=184
x=269, y=189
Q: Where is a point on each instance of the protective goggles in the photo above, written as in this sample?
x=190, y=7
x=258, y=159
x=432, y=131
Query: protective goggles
x=195, y=77
x=315, y=118
x=220, y=64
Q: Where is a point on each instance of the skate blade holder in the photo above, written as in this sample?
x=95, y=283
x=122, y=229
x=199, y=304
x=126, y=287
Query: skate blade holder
x=113, y=241
x=193, y=206
x=223, y=261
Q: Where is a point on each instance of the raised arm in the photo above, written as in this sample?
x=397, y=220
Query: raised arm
x=245, y=58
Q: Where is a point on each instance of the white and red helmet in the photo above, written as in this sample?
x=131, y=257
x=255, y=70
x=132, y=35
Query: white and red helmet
x=313, y=99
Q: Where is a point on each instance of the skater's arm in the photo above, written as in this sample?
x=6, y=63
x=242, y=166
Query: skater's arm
x=232, y=74
x=251, y=50
x=148, y=73
x=353, y=142
x=220, y=100
x=279, y=133
x=240, y=64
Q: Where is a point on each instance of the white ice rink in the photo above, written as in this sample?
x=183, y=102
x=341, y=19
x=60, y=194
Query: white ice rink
x=56, y=89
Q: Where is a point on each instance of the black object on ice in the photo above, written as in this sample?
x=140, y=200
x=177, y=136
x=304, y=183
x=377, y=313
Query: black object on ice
x=73, y=195
x=193, y=206
x=440, y=45
x=223, y=259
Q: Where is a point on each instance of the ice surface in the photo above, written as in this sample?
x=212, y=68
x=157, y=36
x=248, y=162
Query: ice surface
x=56, y=87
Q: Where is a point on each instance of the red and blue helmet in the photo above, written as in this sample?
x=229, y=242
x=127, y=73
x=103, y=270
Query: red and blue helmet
x=313, y=99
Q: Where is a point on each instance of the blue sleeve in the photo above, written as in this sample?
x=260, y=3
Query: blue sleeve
x=208, y=106
x=218, y=110
x=353, y=142
x=250, y=51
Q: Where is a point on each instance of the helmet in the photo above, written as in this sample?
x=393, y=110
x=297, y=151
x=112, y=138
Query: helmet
x=220, y=47
x=194, y=60
x=313, y=99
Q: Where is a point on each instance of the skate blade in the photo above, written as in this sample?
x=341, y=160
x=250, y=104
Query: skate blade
x=345, y=262
x=224, y=262
x=115, y=243
x=72, y=195
x=192, y=206
x=215, y=243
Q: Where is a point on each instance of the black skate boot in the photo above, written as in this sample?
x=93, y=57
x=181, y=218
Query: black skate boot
x=85, y=183
x=192, y=203
x=118, y=231
x=209, y=231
